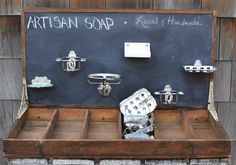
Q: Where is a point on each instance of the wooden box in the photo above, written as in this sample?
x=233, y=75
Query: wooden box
x=71, y=120
x=97, y=133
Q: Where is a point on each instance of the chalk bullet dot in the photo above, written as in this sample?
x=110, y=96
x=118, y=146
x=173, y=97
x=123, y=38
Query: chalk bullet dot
x=125, y=22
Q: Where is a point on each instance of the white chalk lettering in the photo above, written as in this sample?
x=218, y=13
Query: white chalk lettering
x=174, y=22
x=37, y=19
x=63, y=22
x=73, y=22
x=109, y=22
x=31, y=22
x=43, y=21
x=99, y=24
x=88, y=23
x=147, y=22
x=57, y=22
x=50, y=22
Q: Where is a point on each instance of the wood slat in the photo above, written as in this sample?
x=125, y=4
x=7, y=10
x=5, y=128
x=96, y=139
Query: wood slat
x=233, y=82
x=147, y=149
x=10, y=7
x=222, y=81
x=10, y=37
x=11, y=80
x=217, y=128
x=123, y=4
x=217, y=38
x=71, y=114
x=187, y=126
x=84, y=128
x=17, y=126
x=31, y=148
x=39, y=114
x=103, y=115
x=146, y=4
x=177, y=4
x=228, y=39
x=115, y=4
x=233, y=158
x=3, y=161
x=46, y=3
x=87, y=3
x=227, y=115
x=208, y=4
x=51, y=125
x=5, y=117
x=226, y=8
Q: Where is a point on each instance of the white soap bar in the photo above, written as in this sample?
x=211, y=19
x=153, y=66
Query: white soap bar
x=137, y=50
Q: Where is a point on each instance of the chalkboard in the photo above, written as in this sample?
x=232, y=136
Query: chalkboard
x=176, y=38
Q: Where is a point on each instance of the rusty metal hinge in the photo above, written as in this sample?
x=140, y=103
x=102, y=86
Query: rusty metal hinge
x=211, y=101
x=24, y=100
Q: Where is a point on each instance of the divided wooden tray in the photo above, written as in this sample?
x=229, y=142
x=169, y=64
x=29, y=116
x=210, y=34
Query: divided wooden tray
x=97, y=133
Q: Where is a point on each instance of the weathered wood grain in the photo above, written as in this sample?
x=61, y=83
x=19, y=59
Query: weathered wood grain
x=10, y=7
x=146, y=4
x=31, y=148
x=123, y=4
x=5, y=117
x=11, y=79
x=227, y=116
x=233, y=158
x=226, y=8
x=10, y=37
x=208, y=4
x=228, y=39
x=177, y=4
x=87, y=3
x=2, y=160
x=217, y=38
x=126, y=149
x=46, y=3
x=222, y=80
x=233, y=82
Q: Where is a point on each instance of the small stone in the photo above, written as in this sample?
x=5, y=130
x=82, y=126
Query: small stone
x=28, y=162
x=72, y=162
x=204, y=162
x=120, y=162
x=166, y=162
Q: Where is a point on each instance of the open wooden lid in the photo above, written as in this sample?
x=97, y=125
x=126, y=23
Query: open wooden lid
x=176, y=38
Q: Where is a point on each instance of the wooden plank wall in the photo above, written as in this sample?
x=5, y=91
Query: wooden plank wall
x=225, y=57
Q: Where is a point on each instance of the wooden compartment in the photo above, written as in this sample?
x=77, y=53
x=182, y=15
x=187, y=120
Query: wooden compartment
x=33, y=124
x=69, y=124
x=186, y=124
x=96, y=133
x=103, y=124
x=169, y=125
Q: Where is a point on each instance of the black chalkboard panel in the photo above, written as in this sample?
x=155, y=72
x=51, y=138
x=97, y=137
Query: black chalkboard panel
x=176, y=38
